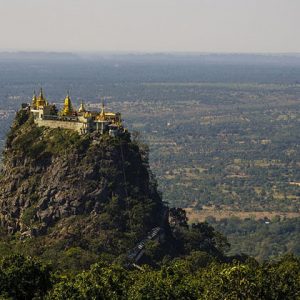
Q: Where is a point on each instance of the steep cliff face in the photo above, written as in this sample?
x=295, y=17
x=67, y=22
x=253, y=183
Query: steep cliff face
x=58, y=183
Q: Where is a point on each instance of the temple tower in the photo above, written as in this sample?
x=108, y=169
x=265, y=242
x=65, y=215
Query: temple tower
x=41, y=100
x=68, y=109
x=82, y=108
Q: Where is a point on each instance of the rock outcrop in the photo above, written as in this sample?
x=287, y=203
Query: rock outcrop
x=54, y=179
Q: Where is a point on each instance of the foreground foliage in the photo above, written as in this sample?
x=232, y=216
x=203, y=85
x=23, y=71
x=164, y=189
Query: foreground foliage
x=25, y=278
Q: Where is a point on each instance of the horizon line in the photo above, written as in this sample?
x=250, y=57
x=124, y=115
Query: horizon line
x=133, y=52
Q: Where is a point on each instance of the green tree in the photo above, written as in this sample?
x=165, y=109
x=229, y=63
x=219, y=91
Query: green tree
x=23, y=277
x=102, y=281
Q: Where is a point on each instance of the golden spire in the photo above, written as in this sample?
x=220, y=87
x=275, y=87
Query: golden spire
x=81, y=108
x=34, y=100
x=41, y=101
x=102, y=109
x=101, y=116
x=67, y=105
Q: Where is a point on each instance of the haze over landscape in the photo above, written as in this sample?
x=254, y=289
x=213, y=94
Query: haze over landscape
x=265, y=26
x=149, y=149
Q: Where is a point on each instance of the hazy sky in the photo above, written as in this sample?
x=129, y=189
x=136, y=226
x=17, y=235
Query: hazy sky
x=151, y=25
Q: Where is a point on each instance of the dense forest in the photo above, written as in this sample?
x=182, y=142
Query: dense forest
x=190, y=278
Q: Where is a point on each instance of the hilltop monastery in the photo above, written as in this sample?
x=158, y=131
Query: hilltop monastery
x=82, y=120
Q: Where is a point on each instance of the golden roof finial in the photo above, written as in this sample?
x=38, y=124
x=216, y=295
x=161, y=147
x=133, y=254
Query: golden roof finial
x=67, y=105
x=102, y=113
x=41, y=100
x=81, y=108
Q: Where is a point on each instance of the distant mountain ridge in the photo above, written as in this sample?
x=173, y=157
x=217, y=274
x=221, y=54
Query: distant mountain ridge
x=156, y=57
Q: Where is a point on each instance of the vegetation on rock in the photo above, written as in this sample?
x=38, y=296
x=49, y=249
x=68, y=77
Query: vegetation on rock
x=80, y=203
x=91, y=192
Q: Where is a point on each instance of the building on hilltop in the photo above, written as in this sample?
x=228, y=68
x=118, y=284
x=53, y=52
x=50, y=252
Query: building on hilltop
x=83, y=121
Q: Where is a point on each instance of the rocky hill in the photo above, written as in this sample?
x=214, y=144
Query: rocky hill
x=57, y=183
x=71, y=199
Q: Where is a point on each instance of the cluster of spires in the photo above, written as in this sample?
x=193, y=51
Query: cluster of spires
x=89, y=120
x=41, y=101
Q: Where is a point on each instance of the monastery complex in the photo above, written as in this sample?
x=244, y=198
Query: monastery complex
x=81, y=120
